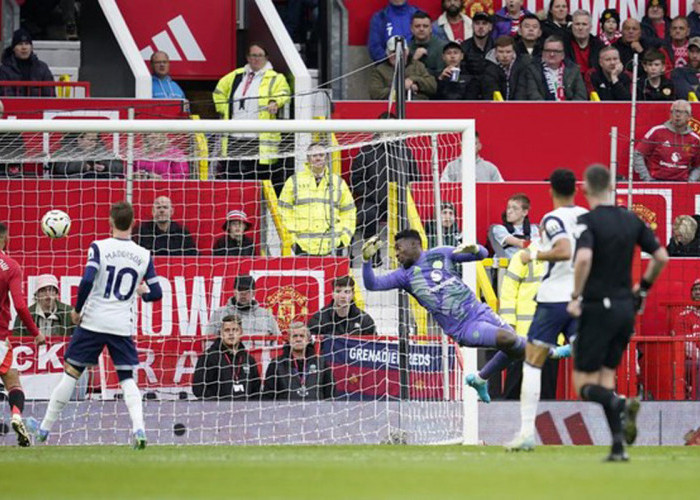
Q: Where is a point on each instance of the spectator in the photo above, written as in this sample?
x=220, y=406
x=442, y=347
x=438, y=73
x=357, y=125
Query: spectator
x=392, y=20
x=609, y=27
x=51, y=316
x=529, y=42
x=89, y=158
x=452, y=84
x=20, y=64
x=157, y=158
x=685, y=79
x=49, y=19
x=298, y=373
x=342, y=316
x=694, y=19
x=476, y=47
x=419, y=83
x=253, y=92
x=558, y=21
x=507, y=19
x=256, y=320
x=235, y=243
x=12, y=151
x=162, y=235
x=610, y=81
x=317, y=208
x=685, y=241
x=687, y=324
x=300, y=17
x=653, y=84
x=485, y=171
x=670, y=151
x=680, y=34
x=505, y=73
x=226, y=371
x=453, y=25
x=552, y=78
x=451, y=233
x=516, y=232
x=631, y=41
x=370, y=175
x=656, y=24
x=583, y=48
x=425, y=47
x=164, y=87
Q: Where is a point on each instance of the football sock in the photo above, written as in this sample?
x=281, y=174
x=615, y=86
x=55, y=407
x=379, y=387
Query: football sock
x=529, y=398
x=132, y=398
x=613, y=406
x=59, y=397
x=16, y=399
x=495, y=365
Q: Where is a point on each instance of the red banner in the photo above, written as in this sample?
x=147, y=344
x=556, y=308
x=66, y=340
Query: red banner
x=199, y=37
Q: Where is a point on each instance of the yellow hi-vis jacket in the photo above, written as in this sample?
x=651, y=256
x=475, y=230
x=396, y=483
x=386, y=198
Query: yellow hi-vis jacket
x=518, y=291
x=274, y=87
x=306, y=206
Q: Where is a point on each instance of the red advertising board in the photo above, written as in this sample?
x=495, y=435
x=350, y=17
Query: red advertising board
x=199, y=37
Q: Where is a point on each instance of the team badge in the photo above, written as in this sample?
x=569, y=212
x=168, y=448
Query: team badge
x=436, y=275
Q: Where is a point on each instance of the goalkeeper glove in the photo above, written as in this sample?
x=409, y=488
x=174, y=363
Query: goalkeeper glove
x=472, y=248
x=640, y=295
x=370, y=247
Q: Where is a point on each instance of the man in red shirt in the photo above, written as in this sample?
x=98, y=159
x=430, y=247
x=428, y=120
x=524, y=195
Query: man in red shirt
x=670, y=151
x=583, y=48
x=11, y=286
x=688, y=324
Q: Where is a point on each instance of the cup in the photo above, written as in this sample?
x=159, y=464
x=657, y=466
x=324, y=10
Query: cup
x=454, y=76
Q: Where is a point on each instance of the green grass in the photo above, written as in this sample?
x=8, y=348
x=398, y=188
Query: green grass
x=346, y=472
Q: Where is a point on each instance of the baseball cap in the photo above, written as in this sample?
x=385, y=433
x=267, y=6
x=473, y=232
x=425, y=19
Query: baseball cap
x=451, y=45
x=244, y=282
x=46, y=280
x=694, y=42
x=236, y=215
x=482, y=16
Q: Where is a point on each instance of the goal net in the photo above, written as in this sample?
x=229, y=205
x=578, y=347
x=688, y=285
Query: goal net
x=265, y=333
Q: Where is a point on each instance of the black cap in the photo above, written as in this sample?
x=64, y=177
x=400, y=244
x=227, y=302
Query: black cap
x=451, y=45
x=21, y=35
x=245, y=282
x=610, y=14
x=482, y=16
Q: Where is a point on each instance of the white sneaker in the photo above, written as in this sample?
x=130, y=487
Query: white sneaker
x=521, y=443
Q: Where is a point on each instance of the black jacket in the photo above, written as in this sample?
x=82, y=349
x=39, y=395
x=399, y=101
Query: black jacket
x=495, y=79
x=227, y=246
x=464, y=89
x=550, y=28
x=85, y=167
x=327, y=323
x=474, y=60
x=595, y=46
x=224, y=375
x=648, y=30
x=177, y=241
x=524, y=55
x=599, y=83
x=37, y=71
x=664, y=92
x=284, y=380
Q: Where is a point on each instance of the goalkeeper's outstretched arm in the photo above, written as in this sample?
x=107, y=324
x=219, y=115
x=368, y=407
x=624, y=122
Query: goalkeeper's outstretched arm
x=373, y=282
x=469, y=253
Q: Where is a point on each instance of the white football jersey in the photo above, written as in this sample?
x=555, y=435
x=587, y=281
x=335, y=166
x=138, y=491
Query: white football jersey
x=121, y=265
x=558, y=280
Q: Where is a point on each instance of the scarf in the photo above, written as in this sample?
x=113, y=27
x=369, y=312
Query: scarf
x=609, y=41
x=555, y=84
x=680, y=55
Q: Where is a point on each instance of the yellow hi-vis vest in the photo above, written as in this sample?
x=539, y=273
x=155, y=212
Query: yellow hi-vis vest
x=274, y=87
x=306, y=206
x=518, y=291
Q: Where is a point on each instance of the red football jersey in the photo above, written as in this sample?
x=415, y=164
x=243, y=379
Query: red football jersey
x=11, y=285
x=670, y=156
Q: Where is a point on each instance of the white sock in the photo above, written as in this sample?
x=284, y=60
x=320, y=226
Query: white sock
x=529, y=398
x=132, y=398
x=59, y=397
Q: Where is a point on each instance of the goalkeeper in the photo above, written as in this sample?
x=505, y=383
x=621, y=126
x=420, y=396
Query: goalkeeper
x=430, y=277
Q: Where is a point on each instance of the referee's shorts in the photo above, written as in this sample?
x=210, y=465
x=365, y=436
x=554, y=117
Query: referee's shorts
x=604, y=330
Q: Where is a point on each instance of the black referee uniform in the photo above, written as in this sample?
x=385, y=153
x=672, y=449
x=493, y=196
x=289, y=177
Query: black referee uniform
x=607, y=310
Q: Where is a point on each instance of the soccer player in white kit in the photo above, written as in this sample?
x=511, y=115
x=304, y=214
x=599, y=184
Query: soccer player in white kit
x=118, y=270
x=551, y=318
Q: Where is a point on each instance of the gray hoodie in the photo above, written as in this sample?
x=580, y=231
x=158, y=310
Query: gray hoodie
x=256, y=320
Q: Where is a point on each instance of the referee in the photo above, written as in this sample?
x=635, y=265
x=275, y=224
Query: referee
x=606, y=303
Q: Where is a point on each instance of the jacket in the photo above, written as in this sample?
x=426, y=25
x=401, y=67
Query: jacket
x=227, y=246
x=523, y=54
x=594, y=45
x=307, y=208
x=256, y=320
x=85, y=167
x=685, y=80
x=433, y=59
x=502, y=22
x=466, y=88
x=327, y=323
x=393, y=20
x=664, y=92
x=694, y=23
x=596, y=81
x=58, y=323
x=223, y=374
x=451, y=237
x=38, y=72
x=284, y=381
x=165, y=88
x=550, y=28
x=443, y=30
x=533, y=87
x=177, y=241
x=495, y=79
x=274, y=87
x=474, y=60
x=382, y=75
x=648, y=30
x=518, y=290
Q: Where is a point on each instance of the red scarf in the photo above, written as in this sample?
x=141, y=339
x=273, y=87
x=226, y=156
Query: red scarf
x=680, y=55
x=609, y=41
x=515, y=24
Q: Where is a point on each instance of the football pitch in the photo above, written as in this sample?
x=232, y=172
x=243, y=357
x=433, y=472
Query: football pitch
x=345, y=472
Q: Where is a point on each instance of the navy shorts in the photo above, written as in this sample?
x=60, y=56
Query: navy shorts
x=550, y=320
x=85, y=347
